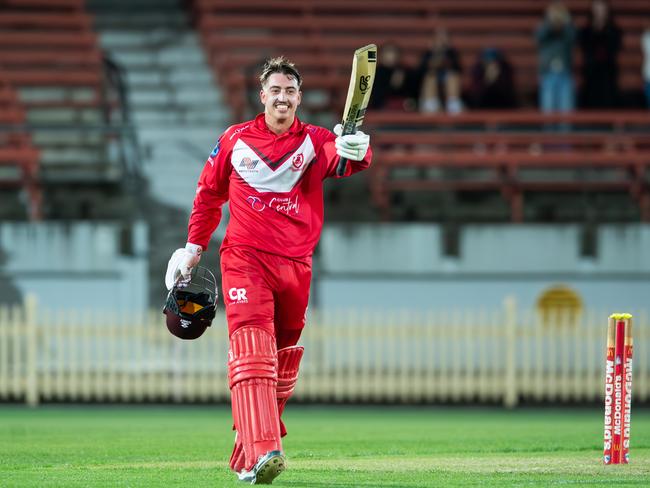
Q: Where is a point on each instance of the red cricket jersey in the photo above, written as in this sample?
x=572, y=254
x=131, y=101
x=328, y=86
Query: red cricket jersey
x=274, y=184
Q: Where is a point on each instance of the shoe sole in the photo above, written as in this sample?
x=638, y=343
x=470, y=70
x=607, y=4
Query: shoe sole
x=270, y=469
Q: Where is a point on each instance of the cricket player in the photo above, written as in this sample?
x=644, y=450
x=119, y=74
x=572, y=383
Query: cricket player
x=272, y=170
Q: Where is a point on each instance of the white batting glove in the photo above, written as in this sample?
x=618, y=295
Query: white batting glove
x=353, y=146
x=179, y=268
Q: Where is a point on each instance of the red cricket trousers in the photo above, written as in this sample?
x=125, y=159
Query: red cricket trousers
x=265, y=290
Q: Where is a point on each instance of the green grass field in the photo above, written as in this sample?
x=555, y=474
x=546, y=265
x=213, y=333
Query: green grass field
x=326, y=447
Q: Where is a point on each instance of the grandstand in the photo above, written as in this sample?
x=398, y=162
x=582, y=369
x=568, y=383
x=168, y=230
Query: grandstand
x=600, y=166
x=104, y=101
x=51, y=60
x=238, y=35
x=449, y=180
x=69, y=69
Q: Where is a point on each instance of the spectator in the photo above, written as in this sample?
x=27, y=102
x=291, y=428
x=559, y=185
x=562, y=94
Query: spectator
x=492, y=81
x=645, y=45
x=439, y=76
x=393, y=87
x=555, y=37
x=600, y=43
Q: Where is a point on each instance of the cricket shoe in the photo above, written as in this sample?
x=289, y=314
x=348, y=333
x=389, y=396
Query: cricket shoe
x=266, y=469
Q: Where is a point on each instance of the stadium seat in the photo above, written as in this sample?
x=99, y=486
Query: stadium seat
x=51, y=57
x=504, y=151
x=237, y=39
x=19, y=159
x=508, y=147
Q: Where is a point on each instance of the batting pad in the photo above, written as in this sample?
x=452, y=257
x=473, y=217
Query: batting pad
x=252, y=371
x=288, y=364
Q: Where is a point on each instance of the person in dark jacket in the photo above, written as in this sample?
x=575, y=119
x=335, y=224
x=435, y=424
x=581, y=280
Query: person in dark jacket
x=492, y=81
x=393, y=87
x=439, y=76
x=600, y=44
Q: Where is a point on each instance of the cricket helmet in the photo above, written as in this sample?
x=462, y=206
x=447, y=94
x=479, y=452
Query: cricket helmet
x=190, y=307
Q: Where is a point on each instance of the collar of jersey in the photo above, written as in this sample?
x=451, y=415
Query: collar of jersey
x=295, y=128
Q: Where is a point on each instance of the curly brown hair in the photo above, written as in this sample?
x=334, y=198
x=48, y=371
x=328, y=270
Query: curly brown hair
x=280, y=65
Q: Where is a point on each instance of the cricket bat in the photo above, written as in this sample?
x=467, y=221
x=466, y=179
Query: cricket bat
x=364, y=64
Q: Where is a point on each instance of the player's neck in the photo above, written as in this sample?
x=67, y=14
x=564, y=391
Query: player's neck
x=278, y=126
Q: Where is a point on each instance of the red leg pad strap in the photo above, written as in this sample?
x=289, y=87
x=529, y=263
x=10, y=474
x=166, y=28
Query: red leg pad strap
x=252, y=371
x=288, y=364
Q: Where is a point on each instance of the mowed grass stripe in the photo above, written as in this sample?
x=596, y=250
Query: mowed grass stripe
x=494, y=462
x=327, y=447
x=487, y=463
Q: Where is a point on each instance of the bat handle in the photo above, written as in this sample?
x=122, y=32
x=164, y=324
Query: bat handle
x=342, y=166
x=349, y=127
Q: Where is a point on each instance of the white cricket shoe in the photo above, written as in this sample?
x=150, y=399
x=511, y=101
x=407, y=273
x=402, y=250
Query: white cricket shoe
x=266, y=469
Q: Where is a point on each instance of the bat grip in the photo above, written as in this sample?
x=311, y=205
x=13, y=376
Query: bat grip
x=349, y=127
x=342, y=166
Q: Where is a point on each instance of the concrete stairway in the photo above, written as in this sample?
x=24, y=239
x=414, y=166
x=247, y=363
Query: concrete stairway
x=175, y=105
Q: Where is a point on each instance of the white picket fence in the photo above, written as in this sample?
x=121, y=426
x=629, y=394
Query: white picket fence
x=502, y=355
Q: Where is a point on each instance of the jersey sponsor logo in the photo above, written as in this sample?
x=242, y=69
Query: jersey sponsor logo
x=256, y=203
x=185, y=323
x=248, y=164
x=278, y=176
x=237, y=295
x=297, y=161
x=285, y=205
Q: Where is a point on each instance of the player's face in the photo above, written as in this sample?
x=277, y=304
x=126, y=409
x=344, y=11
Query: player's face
x=280, y=96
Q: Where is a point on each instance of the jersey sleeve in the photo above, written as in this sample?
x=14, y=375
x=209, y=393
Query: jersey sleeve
x=330, y=160
x=211, y=194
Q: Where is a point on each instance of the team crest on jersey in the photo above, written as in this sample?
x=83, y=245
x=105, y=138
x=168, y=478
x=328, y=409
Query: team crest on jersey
x=297, y=162
x=248, y=164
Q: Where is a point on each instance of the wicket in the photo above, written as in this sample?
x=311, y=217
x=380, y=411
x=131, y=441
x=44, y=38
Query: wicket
x=618, y=389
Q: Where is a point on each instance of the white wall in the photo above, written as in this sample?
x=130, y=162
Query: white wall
x=403, y=266
x=76, y=265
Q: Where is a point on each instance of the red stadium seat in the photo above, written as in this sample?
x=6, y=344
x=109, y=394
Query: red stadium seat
x=508, y=146
x=17, y=151
x=611, y=146
x=237, y=39
x=50, y=67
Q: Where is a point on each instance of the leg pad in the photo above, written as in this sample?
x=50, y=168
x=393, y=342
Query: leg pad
x=252, y=372
x=288, y=365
